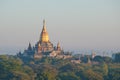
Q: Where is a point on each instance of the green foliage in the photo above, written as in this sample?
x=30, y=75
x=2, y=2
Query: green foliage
x=114, y=72
x=14, y=68
x=117, y=57
x=107, y=59
x=11, y=68
x=68, y=76
x=90, y=75
x=98, y=59
x=105, y=69
x=46, y=72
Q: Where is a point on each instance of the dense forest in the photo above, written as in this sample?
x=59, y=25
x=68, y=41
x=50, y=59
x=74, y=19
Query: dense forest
x=46, y=68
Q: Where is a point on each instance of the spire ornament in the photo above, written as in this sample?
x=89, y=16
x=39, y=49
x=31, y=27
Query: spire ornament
x=44, y=34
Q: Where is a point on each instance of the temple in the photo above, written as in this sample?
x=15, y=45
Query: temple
x=44, y=48
x=44, y=43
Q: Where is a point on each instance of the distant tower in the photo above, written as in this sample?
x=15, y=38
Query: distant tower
x=58, y=47
x=44, y=34
x=29, y=47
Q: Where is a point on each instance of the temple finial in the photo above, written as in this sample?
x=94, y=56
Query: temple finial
x=44, y=24
x=44, y=35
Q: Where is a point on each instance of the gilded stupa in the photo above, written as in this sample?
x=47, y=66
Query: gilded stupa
x=44, y=46
x=44, y=34
x=44, y=42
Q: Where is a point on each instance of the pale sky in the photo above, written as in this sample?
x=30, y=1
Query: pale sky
x=76, y=24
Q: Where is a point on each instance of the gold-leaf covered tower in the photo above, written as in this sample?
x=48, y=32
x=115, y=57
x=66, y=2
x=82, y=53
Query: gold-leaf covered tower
x=44, y=37
x=44, y=47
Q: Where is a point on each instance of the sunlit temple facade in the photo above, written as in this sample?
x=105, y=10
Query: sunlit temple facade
x=44, y=47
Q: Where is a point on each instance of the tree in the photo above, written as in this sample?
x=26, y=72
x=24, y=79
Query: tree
x=46, y=72
x=68, y=76
x=117, y=57
x=107, y=59
x=114, y=74
x=98, y=59
x=11, y=68
x=105, y=69
x=90, y=75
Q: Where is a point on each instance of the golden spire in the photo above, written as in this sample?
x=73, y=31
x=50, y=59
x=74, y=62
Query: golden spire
x=44, y=25
x=44, y=34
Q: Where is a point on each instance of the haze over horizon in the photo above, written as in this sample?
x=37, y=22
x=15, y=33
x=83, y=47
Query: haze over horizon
x=76, y=24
